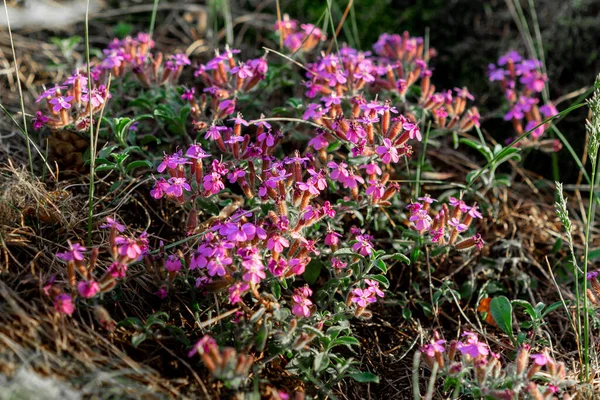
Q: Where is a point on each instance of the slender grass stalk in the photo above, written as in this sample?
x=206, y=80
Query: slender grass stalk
x=16, y=62
x=563, y=215
x=593, y=127
x=91, y=126
x=354, y=26
x=337, y=46
x=431, y=385
x=422, y=161
x=226, y=10
x=278, y=7
x=153, y=18
x=415, y=375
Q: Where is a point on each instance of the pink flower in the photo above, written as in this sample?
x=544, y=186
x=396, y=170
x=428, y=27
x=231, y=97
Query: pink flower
x=332, y=238
x=113, y=224
x=337, y=263
x=376, y=190
x=128, y=247
x=363, y=297
x=117, y=270
x=196, y=152
x=373, y=286
x=162, y=292
x=173, y=263
x=540, y=359
x=214, y=132
x=472, y=346
x=160, y=188
x=63, y=304
x=75, y=252
x=301, y=302
x=39, y=120
x=422, y=220
x=455, y=223
x=216, y=266
x=213, y=183
x=413, y=130
x=277, y=243
x=363, y=246
x=171, y=162
x=388, y=152
x=61, y=103
x=88, y=289
x=203, y=346
x=427, y=199
x=237, y=291
x=178, y=185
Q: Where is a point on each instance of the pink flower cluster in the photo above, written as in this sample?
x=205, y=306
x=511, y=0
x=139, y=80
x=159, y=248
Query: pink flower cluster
x=522, y=80
x=224, y=77
x=479, y=365
x=124, y=251
x=363, y=297
x=298, y=37
x=446, y=226
x=69, y=102
x=400, y=63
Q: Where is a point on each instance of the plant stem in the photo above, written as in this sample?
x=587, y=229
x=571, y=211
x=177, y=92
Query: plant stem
x=14, y=54
x=153, y=18
x=91, y=130
x=422, y=160
x=586, y=318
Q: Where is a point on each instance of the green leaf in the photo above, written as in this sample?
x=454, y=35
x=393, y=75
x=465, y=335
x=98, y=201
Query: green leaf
x=318, y=360
x=527, y=306
x=551, y=308
x=130, y=321
x=345, y=340
x=365, y=377
x=501, y=310
x=484, y=150
x=276, y=289
x=138, y=164
x=312, y=272
x=138, y=338
x=380, y=265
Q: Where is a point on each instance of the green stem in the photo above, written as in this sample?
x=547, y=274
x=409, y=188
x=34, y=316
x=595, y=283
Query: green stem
x=92, y=142
x=153, y=18
x=422, y=160
x=586, y=317
x=14, y=54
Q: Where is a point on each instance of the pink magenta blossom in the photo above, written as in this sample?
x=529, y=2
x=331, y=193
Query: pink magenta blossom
x=75, y=252
x=236, y=292
x=363, y=297
x=301, y=302
x=472, y=346
x=455, y=223
x=61, y=103
x=113, y=224
x=540, y=359
x=63, y=304
x=203, y=346
x=388, y=152
x=88, y=289
x=422, y=220
x=128, y=247
x=173, y=263
x=363, y=245
x=177, y=186
x=277, y=243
